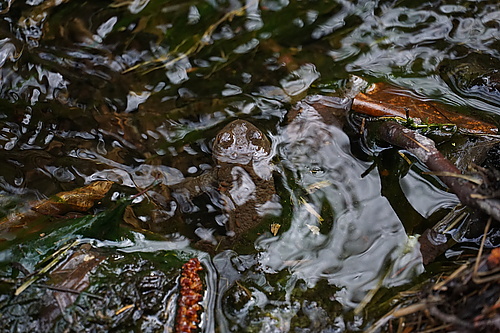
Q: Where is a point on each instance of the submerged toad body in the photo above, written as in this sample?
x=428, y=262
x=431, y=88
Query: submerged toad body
x=241, y=181
x=243, y=153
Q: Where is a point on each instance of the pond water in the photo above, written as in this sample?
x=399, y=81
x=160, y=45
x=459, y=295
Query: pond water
x=135, y=91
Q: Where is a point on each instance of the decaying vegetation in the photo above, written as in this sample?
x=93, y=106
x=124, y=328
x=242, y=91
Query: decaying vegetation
x=468, y=298
x=465, y=300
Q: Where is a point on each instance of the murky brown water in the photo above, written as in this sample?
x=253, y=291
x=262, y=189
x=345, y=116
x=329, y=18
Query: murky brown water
x=135, y=91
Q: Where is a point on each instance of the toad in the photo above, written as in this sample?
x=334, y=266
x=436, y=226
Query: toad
x=241, y=181
x=242, y=153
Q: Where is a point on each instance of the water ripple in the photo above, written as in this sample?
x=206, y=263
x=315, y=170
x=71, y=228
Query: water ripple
x=363, y=235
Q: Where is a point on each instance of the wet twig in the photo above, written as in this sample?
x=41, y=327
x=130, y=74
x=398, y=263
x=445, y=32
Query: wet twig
x=68, y=290
x=425, y=150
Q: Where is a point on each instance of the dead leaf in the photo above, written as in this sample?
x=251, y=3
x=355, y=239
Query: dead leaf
x=130, y=218
x=69, y=279
x=314, y=229
x=275, y=227
x=311, y=210
x=319, y=185
x=383, y=100
x=80, y=199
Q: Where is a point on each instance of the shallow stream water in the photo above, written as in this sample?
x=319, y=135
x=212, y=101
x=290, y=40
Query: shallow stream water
x=134, y=91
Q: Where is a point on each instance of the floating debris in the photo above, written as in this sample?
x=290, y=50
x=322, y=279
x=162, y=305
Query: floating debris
x=314, y=229
x=311, y=210
x=275, y=227
x=318, y=185
x=466, y=300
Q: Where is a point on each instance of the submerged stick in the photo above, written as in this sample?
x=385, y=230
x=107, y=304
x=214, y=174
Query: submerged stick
x=425, y=150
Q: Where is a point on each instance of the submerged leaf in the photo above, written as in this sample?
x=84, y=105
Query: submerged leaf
x=78, y=200
x=104, y=225
x=383, y=100
x=311, y=210
x=55, y=258
x=318, y=185
x=314, y=229
x=275, y=227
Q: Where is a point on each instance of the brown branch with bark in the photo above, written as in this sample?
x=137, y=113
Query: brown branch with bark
x=393, y=103
x=383, y=100
x=425, y=150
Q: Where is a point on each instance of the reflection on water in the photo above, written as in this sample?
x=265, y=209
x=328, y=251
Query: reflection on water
x=361, y=236
x=135, y=92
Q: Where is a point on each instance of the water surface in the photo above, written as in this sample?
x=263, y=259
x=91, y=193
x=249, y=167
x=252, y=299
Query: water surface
x=134, y=91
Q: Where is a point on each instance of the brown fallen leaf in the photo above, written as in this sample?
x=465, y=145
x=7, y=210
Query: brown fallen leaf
x=130, y=218
x=275, y=227
x=386, y=101
x=78, y=200
x=68, y=280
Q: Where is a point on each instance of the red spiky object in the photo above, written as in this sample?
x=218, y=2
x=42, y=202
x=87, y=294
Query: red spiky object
x=190, y=297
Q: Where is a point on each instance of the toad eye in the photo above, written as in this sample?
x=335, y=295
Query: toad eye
x=225, y=139
x=255, y=137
